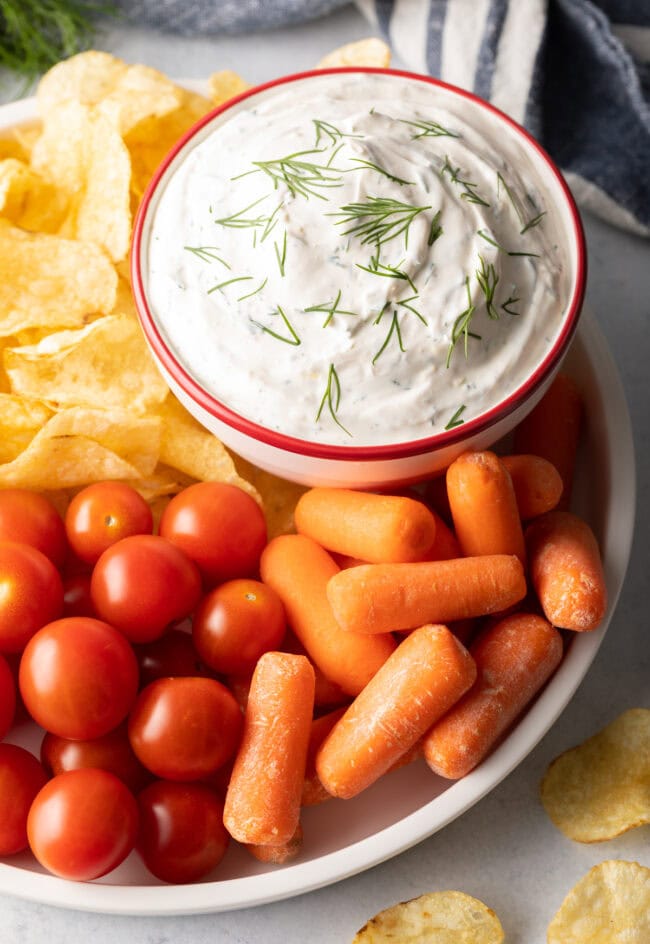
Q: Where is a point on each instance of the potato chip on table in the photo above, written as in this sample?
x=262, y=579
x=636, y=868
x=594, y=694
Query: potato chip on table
x=435, y=918
x=609, y=905
x=601, y=788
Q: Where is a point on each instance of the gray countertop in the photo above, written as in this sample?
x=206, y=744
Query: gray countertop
x=503, y=850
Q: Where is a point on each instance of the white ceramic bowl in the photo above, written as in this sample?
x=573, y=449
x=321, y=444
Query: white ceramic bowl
x=315, y=463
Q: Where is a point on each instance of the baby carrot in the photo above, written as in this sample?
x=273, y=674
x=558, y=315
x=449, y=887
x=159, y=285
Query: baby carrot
x=326, y=694
x=566, y=570
x=370, y=527
x=552, y=430
x=537, y=484
x=313, y=791
x=378, y=598
x=298, y=570
x=514, y=658
x=425, y=676
x=446, y=545
x=278, y=854
x=262, y=804
x=483, y=506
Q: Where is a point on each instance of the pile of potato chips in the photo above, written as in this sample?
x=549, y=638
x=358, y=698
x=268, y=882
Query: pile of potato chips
x=80, y=397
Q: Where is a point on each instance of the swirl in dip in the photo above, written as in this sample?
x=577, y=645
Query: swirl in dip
x=364, y=260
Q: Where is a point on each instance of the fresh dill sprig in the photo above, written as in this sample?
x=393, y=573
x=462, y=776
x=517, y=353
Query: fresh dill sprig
x=490, y=239
x=456, y=418
x=254, y=292
x=207, y=254
x=220, y=287
x=525, y=225
x=36, y=34
x=380, y=170
x=281, y=254
x=239, y=221
x=378, y=219
x=429, y=129
x=326, y=130
x=301, y=177
x=487, y=278
x=512, y=300
x=330, y=309
x=405, y=303
x=469, y=192
x=294, y=340
x=386, y=271
x=461, y=326
x=332, y=399
x=394, y=329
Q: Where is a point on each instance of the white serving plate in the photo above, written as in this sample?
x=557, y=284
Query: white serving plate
x=343, y=838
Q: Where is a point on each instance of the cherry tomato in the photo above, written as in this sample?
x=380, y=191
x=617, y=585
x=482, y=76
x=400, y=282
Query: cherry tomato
x=29, y=518
x=77, y=600
x=82, y=824
x=102, y=514
x=236, y=623
x=182, y=836
x=171, y=655
x=32, y=594
x=78, y=677
x=7, y=697
x=111, y=752
x=21, y=777
x=142, y=584
x=185, y=728
x=219, y=526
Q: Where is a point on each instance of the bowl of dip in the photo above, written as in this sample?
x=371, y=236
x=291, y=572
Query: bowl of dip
x=351, y=276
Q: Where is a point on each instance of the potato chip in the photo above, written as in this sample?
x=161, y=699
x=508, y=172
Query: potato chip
x=20, y=420
x=105, y=365
x=47, y=282
x=29, y=201
x=373, y=53
x=13, y=143
x=81, y=153
x=152, y=139
x=86, y=78
x=434, y=918
x=225, y=85
x=602, y=788
x=188, y=446
x=279, y=496
x=78, y=446
x=609, y=905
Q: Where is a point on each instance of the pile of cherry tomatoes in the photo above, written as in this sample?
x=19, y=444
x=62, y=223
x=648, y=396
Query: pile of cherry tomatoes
x=118, y=643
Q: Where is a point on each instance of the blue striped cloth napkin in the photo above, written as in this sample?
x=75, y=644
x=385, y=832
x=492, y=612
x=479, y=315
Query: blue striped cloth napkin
x=576, y=73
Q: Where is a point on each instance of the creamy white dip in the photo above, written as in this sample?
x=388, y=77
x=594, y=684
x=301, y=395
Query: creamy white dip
x=357, y=260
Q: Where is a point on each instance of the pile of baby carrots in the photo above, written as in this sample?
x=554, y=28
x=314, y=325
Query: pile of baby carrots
x=425, y=623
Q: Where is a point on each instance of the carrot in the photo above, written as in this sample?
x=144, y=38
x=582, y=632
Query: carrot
x=279, y=854
x=382, y=597
x=566, y=570
x=313, y=791
x=514, y=658
x=446, y=545
x=552, y=430
x=483, y=506
x=298, y=570
x=344, y=560
x=326, y=694
x=537, y=484
x=370, y=527
x=262, y=804
x=424, y=677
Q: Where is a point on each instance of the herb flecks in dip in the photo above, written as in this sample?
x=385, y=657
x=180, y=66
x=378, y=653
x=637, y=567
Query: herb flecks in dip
x=358, y=260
